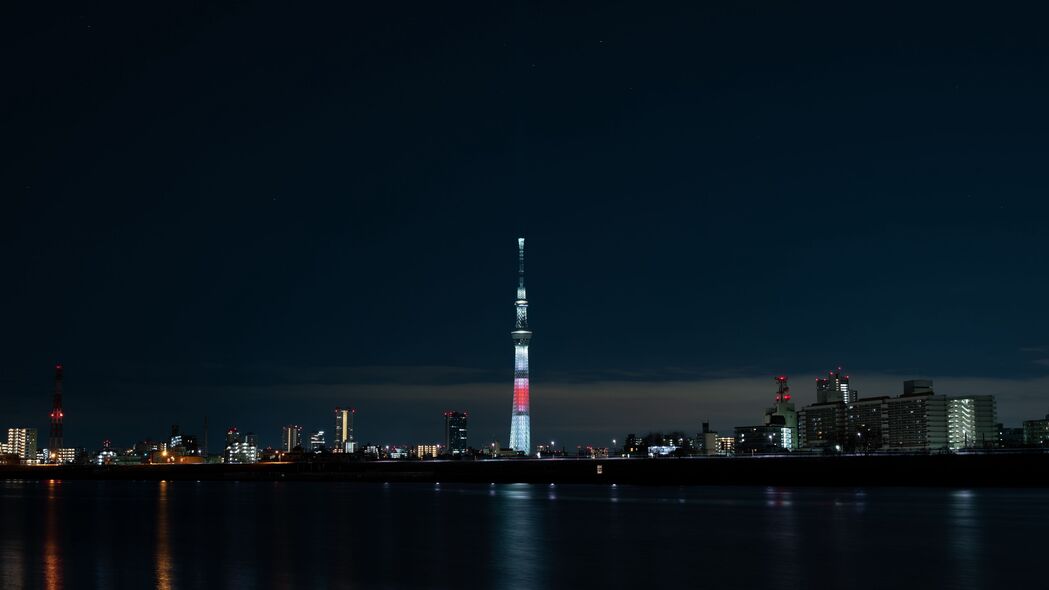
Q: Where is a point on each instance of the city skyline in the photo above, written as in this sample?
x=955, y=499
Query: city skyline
x=709, y=195
x=431, y=434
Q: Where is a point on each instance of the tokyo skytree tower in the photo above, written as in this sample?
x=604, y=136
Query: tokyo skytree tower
x=520, y=421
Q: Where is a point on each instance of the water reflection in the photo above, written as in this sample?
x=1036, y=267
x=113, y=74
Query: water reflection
x=52, y=543
x=12, y=542
x=164, y=571
x=103, y=537
x=522, y=541
x=781, y=529
x=964, y=537
x=326, y=535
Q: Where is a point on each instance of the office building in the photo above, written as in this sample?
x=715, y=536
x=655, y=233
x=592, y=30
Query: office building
x=455, y=433
x=291, y=437
x=344, y=441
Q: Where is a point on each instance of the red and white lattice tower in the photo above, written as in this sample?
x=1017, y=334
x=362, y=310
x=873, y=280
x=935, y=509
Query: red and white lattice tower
x=55, y=441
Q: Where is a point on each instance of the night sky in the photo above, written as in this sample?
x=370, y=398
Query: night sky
x=259, y=212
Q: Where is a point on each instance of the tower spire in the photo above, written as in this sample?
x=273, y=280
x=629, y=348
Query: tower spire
x=520, y=417
x=520, y=270
x=55, y=441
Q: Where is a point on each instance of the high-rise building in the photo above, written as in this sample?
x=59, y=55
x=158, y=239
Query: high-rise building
x=834, y=388
x=56, y=439
x=455, y=433
x=241, y=448
x=520, y=417
x=291, y=437
x=344, y=441
x=916, y=422
x=983, y=432
x=967, y=419
x=22, y=442
x=865, y=424
x=822, y=426
x=232, y=435
x=317, y=441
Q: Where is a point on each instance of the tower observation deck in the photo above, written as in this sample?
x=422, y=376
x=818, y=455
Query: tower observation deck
x=520, y=419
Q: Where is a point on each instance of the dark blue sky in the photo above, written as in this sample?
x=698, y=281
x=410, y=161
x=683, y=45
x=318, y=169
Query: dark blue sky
x=260, y=212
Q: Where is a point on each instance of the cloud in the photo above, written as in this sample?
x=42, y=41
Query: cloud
x=1040, y=350
x=396, y=409
x=404, y=404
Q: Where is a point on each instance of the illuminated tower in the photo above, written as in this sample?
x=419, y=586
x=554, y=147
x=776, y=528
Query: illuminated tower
x=520, y=422
x=55, y=441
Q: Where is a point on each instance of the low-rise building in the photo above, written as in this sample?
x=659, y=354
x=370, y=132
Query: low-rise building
x=1036, y=432
x=766, y=439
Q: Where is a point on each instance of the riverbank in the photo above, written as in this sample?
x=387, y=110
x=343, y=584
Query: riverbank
x=976, y=470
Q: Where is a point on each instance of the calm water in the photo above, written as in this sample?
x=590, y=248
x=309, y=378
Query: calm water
x=84, y=534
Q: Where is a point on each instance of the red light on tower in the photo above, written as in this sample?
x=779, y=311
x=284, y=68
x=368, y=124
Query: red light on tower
x=55, y=440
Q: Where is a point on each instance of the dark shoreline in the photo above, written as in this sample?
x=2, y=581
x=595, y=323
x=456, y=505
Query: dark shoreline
x=976, y=470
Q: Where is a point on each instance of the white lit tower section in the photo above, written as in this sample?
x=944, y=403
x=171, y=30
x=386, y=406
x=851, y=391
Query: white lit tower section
x=520, y=422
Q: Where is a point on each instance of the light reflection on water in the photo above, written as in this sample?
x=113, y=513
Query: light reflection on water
x=52, y=542
x=165, y=577
x=965, y=539
x=171, y=535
